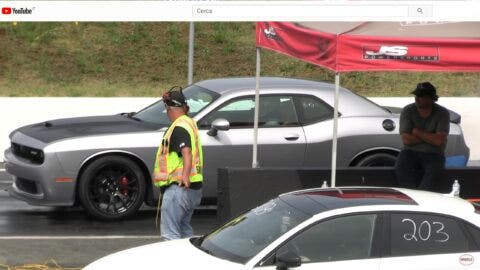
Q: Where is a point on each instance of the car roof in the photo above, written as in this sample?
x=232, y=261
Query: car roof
x=351, y=104
x=314, y=201
x=221, y=85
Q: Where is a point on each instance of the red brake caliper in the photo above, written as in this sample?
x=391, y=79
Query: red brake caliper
x=124, y=186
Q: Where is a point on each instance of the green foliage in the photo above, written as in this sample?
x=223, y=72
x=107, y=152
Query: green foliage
x=143, y=59
x=174, y=42
x=35, y=32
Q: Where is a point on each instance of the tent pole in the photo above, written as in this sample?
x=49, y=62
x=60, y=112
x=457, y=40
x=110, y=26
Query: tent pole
x=335, y=130
x=191, y=41
x=257, y=105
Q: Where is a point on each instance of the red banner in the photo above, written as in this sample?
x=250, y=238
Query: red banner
x=356, y=52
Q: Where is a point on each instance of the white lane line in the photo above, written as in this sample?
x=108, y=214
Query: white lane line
x=72, y=237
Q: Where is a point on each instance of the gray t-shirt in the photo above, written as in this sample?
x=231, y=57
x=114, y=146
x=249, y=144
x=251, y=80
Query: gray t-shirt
x=437, y=121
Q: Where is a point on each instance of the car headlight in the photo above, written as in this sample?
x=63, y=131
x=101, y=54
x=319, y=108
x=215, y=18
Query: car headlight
x=34, y=155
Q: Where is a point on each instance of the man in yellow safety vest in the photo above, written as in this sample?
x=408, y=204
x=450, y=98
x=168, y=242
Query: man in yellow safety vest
x=178, y=168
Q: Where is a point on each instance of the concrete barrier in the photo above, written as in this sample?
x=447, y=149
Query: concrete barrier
x=19, y=111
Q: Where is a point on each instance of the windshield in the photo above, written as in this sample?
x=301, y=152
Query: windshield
x=243, y=237
x=197, y=99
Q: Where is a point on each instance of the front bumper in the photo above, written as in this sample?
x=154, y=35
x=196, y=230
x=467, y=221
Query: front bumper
x=39, y=184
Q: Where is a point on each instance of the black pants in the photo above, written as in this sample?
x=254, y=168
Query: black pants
x=418, y=170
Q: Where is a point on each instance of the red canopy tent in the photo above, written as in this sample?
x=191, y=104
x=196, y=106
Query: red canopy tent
x=372, y=46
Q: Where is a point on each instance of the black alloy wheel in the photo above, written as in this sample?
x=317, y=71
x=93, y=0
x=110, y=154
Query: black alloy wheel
x=377, y=160
x=111, y=188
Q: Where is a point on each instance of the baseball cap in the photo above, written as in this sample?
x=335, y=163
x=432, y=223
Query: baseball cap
x=174, y=97
x=425, y=89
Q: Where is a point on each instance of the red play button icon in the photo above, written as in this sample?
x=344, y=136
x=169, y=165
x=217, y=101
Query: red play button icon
x=6, y=10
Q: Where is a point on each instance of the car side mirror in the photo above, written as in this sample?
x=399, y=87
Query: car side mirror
x=218, y=124
x=285, y=258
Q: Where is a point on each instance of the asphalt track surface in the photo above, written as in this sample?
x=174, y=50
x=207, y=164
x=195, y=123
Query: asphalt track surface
x=34, y=234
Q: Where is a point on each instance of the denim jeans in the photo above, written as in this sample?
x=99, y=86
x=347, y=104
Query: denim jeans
x=420, y=170
x=178, y=204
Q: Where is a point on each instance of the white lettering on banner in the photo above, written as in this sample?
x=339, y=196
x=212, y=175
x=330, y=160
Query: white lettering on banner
x=390, y=51
x=271, y=33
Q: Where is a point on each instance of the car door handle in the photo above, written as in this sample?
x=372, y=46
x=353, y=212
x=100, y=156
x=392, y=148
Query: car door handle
x=291, y=137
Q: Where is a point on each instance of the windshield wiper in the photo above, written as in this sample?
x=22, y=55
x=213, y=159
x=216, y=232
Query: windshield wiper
x=197, y=242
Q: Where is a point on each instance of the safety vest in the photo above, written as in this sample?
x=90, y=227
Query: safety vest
x=168, y=165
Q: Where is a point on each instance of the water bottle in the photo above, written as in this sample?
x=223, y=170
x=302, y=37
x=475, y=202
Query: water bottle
x=456, y=188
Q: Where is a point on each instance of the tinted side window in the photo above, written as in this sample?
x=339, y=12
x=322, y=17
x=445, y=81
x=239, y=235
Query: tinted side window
x=275, y=111
x=475, y=232
x=419, y=234
x=314, y=110
x=342, y=238
x=238, y=112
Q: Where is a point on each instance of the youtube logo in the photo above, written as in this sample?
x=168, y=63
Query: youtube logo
x=6, y=10
x=23, y=10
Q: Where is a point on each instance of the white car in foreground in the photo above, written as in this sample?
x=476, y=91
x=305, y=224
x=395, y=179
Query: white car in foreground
x=328, y=228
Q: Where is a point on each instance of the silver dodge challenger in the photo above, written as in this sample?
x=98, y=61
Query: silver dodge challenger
x=105, y=163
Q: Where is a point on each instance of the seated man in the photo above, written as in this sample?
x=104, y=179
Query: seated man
x=424, y=127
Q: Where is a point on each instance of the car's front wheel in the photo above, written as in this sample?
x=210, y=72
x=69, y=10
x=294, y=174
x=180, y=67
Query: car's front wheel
x=111, y=188
x=377, y=160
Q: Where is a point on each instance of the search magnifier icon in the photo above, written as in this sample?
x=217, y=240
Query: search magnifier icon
x=420, y=11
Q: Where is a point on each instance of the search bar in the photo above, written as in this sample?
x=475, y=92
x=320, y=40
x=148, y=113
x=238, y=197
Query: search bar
x=303, y=12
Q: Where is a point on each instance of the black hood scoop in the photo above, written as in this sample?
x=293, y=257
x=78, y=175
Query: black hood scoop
x=54, y=130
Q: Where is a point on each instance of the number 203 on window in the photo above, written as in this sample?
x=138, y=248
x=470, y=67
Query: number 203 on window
x=425, y=231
